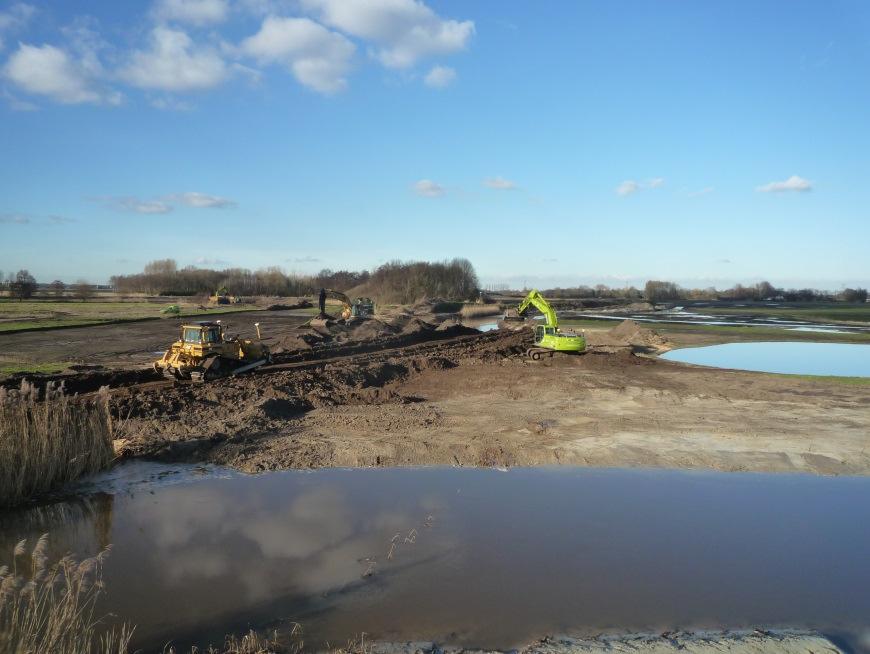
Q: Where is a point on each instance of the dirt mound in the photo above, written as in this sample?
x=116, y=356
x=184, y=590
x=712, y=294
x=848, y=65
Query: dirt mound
x=629, y=333
x=302, y=304
x=416, y=326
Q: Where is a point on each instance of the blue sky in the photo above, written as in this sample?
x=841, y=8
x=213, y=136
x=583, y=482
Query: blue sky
x=550, y=143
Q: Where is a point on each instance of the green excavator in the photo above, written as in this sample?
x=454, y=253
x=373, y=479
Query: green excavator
x=549, y=338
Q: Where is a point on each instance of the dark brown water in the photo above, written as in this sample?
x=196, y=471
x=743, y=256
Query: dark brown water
x=479, y=557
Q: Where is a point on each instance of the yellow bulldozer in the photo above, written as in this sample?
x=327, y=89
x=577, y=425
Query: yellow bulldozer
x=205, y=352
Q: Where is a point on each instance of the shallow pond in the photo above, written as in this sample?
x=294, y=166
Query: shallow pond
x=841, y=359
x=473, y=557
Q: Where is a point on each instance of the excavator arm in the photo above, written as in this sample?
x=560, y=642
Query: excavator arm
x=535, y=299
x=344, y=299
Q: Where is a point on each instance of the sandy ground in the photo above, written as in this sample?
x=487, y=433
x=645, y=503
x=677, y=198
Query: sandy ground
x=477, y=401
x=756, y=642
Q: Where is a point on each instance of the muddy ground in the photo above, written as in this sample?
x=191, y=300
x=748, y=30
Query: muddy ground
x=134, y=344
x=467, y=399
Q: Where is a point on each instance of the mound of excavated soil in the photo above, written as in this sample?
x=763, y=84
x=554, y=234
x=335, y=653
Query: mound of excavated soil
x=628, y=333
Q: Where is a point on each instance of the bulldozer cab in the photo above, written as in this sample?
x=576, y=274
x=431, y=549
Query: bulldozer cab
x=207, y=333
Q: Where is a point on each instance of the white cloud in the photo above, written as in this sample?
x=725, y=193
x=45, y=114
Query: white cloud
x=194, y=12
x=317, y=57
x=25, y=219
x=704, y=191
x=174, y=63
x=499, y=183
x=429, y=189
x=407, y=30
x=14, y=18
x=307, y=259
x=793, y=183
x=142, y=206
x=201, y=200
x=205, y=261
x=52, y=72
x=628, y=187
x=440, y=77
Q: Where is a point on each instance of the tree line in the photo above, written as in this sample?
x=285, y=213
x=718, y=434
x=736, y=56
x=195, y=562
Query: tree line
x=396, y=281
x=22, y=286
x=665, y=291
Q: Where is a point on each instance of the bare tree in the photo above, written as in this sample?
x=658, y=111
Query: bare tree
x=57, y=288
x=82, y=290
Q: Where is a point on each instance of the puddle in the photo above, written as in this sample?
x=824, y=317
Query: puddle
x=469, y=557
x=487, y=326
x=839, y=359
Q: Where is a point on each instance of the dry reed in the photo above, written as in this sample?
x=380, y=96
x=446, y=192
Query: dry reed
x=479, y=310
x=45, y=442
x=50, y=608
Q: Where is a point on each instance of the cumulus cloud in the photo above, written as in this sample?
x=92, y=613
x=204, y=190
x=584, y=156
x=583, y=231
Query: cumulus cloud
x=499, y=183
x=793, y=183
x=52, y=72
x=429, y=189
x=406, y=30
x=440, y=77
x=201, y=200
x=194, y=12
x=317, y=57
x=173, y=62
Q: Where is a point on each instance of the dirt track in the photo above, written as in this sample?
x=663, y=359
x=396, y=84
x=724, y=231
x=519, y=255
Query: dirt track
x=477, y=401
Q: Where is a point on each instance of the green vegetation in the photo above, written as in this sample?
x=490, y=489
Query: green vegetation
x=47, y=443
x=42, y=368
x=810, y=311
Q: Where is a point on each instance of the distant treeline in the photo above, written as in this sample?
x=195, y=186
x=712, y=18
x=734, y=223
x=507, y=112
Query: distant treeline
x=394, y=282
x=663, y=291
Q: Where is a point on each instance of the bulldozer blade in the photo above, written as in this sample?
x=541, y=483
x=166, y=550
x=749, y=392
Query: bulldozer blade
x=250, y=366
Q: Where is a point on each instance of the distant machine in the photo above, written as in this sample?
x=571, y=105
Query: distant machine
x=362, y=307
x=549, y=338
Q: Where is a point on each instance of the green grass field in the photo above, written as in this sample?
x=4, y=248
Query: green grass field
x=809, y=311
x=39, y=314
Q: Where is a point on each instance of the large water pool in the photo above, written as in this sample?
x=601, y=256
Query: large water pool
x=840, y=359
x=483, y=558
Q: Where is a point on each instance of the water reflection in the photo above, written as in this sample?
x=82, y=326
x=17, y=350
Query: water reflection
x=841, y=359
x=475, y=557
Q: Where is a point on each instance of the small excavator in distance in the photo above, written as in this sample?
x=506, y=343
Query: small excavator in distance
x=549, y=338
x=205, y=352
x=362, y=307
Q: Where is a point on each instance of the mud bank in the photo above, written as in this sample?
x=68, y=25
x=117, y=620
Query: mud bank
x=755, y=642
x=475, y=400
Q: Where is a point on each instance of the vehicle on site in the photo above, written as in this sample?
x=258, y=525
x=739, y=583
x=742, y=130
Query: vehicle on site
x=222, y=296
x=205, y=352
x=362, y=307
x=549, y=337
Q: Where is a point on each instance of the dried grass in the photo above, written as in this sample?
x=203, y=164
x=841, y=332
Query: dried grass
x=45, y=442
x=479, y=310
x=50, y=608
